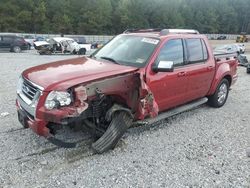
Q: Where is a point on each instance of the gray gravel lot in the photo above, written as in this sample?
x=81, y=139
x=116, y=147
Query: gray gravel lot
x=205, y=147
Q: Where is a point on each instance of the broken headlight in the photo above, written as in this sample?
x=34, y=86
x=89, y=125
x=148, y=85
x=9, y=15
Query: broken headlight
x=56, y=99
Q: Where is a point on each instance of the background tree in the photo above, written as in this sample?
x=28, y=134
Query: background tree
x=114, y=16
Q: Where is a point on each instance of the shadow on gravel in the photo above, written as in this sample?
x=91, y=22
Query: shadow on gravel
x=141, y=128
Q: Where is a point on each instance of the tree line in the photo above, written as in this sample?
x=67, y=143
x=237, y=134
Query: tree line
x=114, y=16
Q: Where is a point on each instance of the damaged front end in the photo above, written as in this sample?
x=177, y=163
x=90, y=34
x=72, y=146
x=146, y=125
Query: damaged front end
x=91, y=106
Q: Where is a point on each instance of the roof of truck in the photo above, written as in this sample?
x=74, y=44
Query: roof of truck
x=161, y=34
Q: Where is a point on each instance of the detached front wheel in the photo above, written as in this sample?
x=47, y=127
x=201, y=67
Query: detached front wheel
x=219, y=98
x=117, y=127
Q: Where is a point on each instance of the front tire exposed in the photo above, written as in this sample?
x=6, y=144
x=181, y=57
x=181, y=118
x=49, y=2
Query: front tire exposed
x=219, y=98
x=117, y=127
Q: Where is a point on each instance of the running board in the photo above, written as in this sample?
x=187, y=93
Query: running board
x=61, y=143
x=174, y=111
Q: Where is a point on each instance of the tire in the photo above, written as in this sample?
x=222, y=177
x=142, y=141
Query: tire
x=248, y=70
x=74, y=52
x=16, y=49
x=219, y=98
x=118, y=126
x=82, y=51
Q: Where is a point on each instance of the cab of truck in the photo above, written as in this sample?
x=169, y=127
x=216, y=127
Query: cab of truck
x=139, y=76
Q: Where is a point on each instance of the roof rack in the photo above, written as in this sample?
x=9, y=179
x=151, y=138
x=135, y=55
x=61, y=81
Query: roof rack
x=162, y=31
x=142, y=30
x=178, y=31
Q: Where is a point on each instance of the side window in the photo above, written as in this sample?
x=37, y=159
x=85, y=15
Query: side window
x=172, y=51
x=19, y=39
x=7, y=39
x=195, y=49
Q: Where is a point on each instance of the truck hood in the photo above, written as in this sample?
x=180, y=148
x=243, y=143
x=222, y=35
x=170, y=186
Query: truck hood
x=64, y=74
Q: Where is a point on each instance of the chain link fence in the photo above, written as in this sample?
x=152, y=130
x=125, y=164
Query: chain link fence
x=105, y=38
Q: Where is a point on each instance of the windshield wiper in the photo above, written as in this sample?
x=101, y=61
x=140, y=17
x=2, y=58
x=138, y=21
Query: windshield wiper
x=110, y=59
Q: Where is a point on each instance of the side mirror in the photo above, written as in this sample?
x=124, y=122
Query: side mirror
x=163, y=66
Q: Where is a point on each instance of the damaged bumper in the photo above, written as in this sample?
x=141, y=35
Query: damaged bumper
x=28, y=121
x=41, y=127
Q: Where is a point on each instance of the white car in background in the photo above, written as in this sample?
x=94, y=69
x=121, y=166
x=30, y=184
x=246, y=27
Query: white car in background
x=61, y=45
x=30, y=40
x=230, y=48
x=241, y=48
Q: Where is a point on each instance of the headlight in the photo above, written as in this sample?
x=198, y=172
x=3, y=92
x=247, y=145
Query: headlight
x=57, y=98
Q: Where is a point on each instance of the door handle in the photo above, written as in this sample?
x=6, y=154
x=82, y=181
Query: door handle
x=210, y=68
x=180, y=74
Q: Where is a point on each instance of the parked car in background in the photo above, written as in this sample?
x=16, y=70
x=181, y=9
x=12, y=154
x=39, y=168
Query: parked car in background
x=241, y=48
x=39, y=38
x=30, y=40
x=80, y=40
x=243, y=61
x=136, y=77
x=13, y=43
x=222, y=37
x=248, y=68
x=229, y=48
x=61, y=45
x=98, y=44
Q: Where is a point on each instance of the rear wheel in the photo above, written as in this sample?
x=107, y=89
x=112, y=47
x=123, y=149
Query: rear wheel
x=248, y=70
x=16, y=49
x=219, y=98
x=117, y=127
x=82, y=51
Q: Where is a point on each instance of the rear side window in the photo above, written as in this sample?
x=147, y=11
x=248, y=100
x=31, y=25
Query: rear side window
x=7, y=39
x=197, y=50
x=19, y=39
x=172, y=51
x=194, y=48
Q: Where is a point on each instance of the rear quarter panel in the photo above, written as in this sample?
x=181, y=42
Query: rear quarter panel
x=224, y=68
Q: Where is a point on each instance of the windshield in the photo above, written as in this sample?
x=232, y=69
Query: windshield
x=128, y=50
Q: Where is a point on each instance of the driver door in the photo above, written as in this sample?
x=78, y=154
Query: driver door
x=169, y=88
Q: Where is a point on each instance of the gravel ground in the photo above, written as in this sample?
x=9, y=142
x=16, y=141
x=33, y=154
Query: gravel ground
x=205, y=147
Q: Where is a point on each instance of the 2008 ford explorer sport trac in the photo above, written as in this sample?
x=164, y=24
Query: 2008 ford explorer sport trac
x=140, y=75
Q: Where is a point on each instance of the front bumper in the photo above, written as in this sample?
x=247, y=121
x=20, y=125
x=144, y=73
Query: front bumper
x=37, y=125
x=40, y=127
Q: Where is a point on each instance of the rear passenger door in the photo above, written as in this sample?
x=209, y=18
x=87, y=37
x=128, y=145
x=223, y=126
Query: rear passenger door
x=200, y=68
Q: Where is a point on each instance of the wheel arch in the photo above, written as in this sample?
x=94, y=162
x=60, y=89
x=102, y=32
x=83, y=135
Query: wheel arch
x=229, y=79
x=116, y=108
x=217, y=81
x=223, y=71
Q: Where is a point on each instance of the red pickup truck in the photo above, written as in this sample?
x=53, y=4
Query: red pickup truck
x=139, y=76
